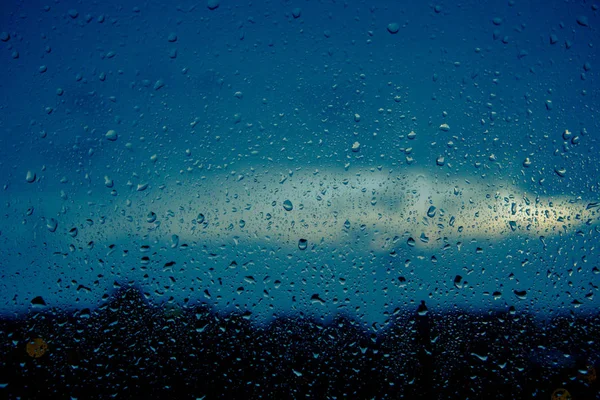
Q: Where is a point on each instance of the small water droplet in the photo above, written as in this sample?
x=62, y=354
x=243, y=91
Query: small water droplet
x=431, y=212
x=302, y=244
x=30, y=177
x=287, y=205
x=111, y=135
x=52, y=224
x=458, y=282
x=151, y=217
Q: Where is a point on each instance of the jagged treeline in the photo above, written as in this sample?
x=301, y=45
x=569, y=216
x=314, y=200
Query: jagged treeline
x=131, y=349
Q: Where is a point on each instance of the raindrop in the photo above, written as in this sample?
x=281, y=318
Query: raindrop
x=316, y=299
x=111, y=135
x=212, y=4
x=159, y=84
x=393, y=28
x=38, y=301
x=521, y=294
x=151, y=217
x=52, y=224
x=583, y=20
x=560, y=172
x=458, y=282
x=431, y=212
x=302, y=244
x=30, y=177
x=200, y=218
x=287, y=205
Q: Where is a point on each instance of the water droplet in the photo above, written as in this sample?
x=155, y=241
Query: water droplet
x=38, y=301
x=30, y=177
x=212, y=4
x=458, y=282
x=582, y=20
x=316, y=299
x=52, y=224
x=200, y=218
x=431, y=212
x=521, y=294
x=561, y=172
x=287, y=205
x=393, y=28
x=159, y=84
x=302, y=244
x=73, y=232
x=111, y=135
x=151, y=217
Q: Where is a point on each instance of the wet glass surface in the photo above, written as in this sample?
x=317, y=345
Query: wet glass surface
x=224, y=199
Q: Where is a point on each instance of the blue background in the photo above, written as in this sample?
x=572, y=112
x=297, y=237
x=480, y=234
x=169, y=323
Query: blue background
x=72, y=71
